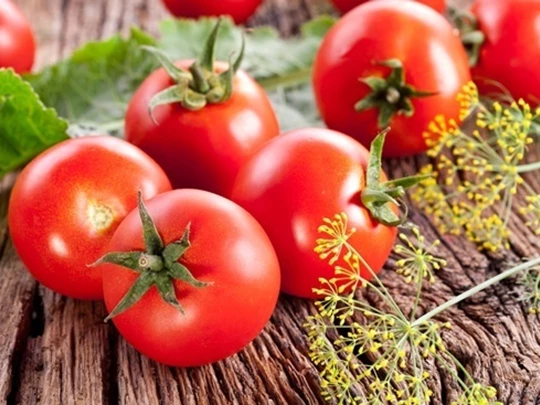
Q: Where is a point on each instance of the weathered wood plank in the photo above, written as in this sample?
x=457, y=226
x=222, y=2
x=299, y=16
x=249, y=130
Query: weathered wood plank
x=67, y=361
x=16, y=293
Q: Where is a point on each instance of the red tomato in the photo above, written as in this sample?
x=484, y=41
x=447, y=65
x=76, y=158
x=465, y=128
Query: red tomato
x=67, y=203
x=295, y=181
x=17, y=43
x=239, y=10
x=228, y=249
x=510, y=54
x=202, y=149
x=433, y=61
x=345, y=6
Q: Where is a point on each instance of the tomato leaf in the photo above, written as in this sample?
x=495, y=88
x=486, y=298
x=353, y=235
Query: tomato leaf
x=93, y=87
x=26, y=126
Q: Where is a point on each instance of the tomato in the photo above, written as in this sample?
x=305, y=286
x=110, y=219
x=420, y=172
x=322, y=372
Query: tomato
x=201, y=143
x=345, y=6
x=224, y=302
x=295, y=181
x=239, y=10
x=511, y=51
x=68, y=201
x=17, y=43
x=365, y=80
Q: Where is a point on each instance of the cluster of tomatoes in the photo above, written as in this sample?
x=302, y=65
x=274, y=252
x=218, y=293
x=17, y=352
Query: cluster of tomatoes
x=190, y=227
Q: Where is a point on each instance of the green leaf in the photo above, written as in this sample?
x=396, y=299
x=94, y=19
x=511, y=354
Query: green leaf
x=27, y=127
x=92, y=88
x=295, y=107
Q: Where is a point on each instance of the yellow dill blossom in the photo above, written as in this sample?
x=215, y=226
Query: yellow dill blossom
x=367, y=355
x=532, y=211
x=478, y=170
x=531, y=282
x=417, y=261
x=478, y=395
x=468, y=100
x=336, y=232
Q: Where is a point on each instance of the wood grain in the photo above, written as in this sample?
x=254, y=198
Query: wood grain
x=58, y=351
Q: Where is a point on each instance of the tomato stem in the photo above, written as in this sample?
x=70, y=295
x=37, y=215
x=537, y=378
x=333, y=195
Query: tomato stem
x=158, y=266
x=471, y=36
x=201, y=85
x=390, y=95
x=377, y=195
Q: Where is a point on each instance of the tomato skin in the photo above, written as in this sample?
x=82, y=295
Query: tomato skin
x=511, y=53
x=202, y=149
x=229, y=249
x=295, y=181
x=434, y=61
x=239, y=10
x=344, y=6
x=53, y=204
x=17, y=42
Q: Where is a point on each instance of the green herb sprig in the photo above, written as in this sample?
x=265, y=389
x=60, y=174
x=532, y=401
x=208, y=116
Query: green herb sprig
x=368, y=355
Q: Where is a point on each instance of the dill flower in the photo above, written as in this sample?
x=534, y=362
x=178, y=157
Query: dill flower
x=368, y=355
x=531, y=282
x=417, y=260
x=482, y=168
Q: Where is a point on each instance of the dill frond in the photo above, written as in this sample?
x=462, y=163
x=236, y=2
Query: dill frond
x=483, y=165
x=371, y=356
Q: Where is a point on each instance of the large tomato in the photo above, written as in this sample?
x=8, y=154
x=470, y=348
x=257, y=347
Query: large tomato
x=17, y=43
x=239, y=10
x=68, y=201
x=510, y=54
x=401, y=73
x=347, y=5
x=201, y=145
x=295, y=181
x=214, y=285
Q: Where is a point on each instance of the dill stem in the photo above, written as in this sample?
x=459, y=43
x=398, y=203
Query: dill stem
x=528, y=167
x=474, y=290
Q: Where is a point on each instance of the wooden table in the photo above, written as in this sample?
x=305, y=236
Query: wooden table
x=56, y=350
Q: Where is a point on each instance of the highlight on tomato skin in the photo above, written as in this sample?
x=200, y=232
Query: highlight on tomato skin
x=18, y=44
x=365, y=81
x=67, y=202
x=344, y=6
x=296, y=180
x=239, y=10
x=233, y=289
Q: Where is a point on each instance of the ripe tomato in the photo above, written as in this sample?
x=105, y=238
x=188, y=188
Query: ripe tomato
x=17, y=43
x=225, y=296
x=345, y=6
x=365, y=80
x=200, y=140
x=295, y=181
x=239, y=10
x=68, y=201
x=510, y=54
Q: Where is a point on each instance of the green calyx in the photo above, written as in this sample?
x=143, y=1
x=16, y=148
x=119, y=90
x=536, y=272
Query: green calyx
x=201, y=85
x=378, y=196
x=390, y=95
x=157, y=266
x=471, y=36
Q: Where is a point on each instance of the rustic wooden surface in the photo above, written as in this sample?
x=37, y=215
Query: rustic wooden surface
x=58, y=351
